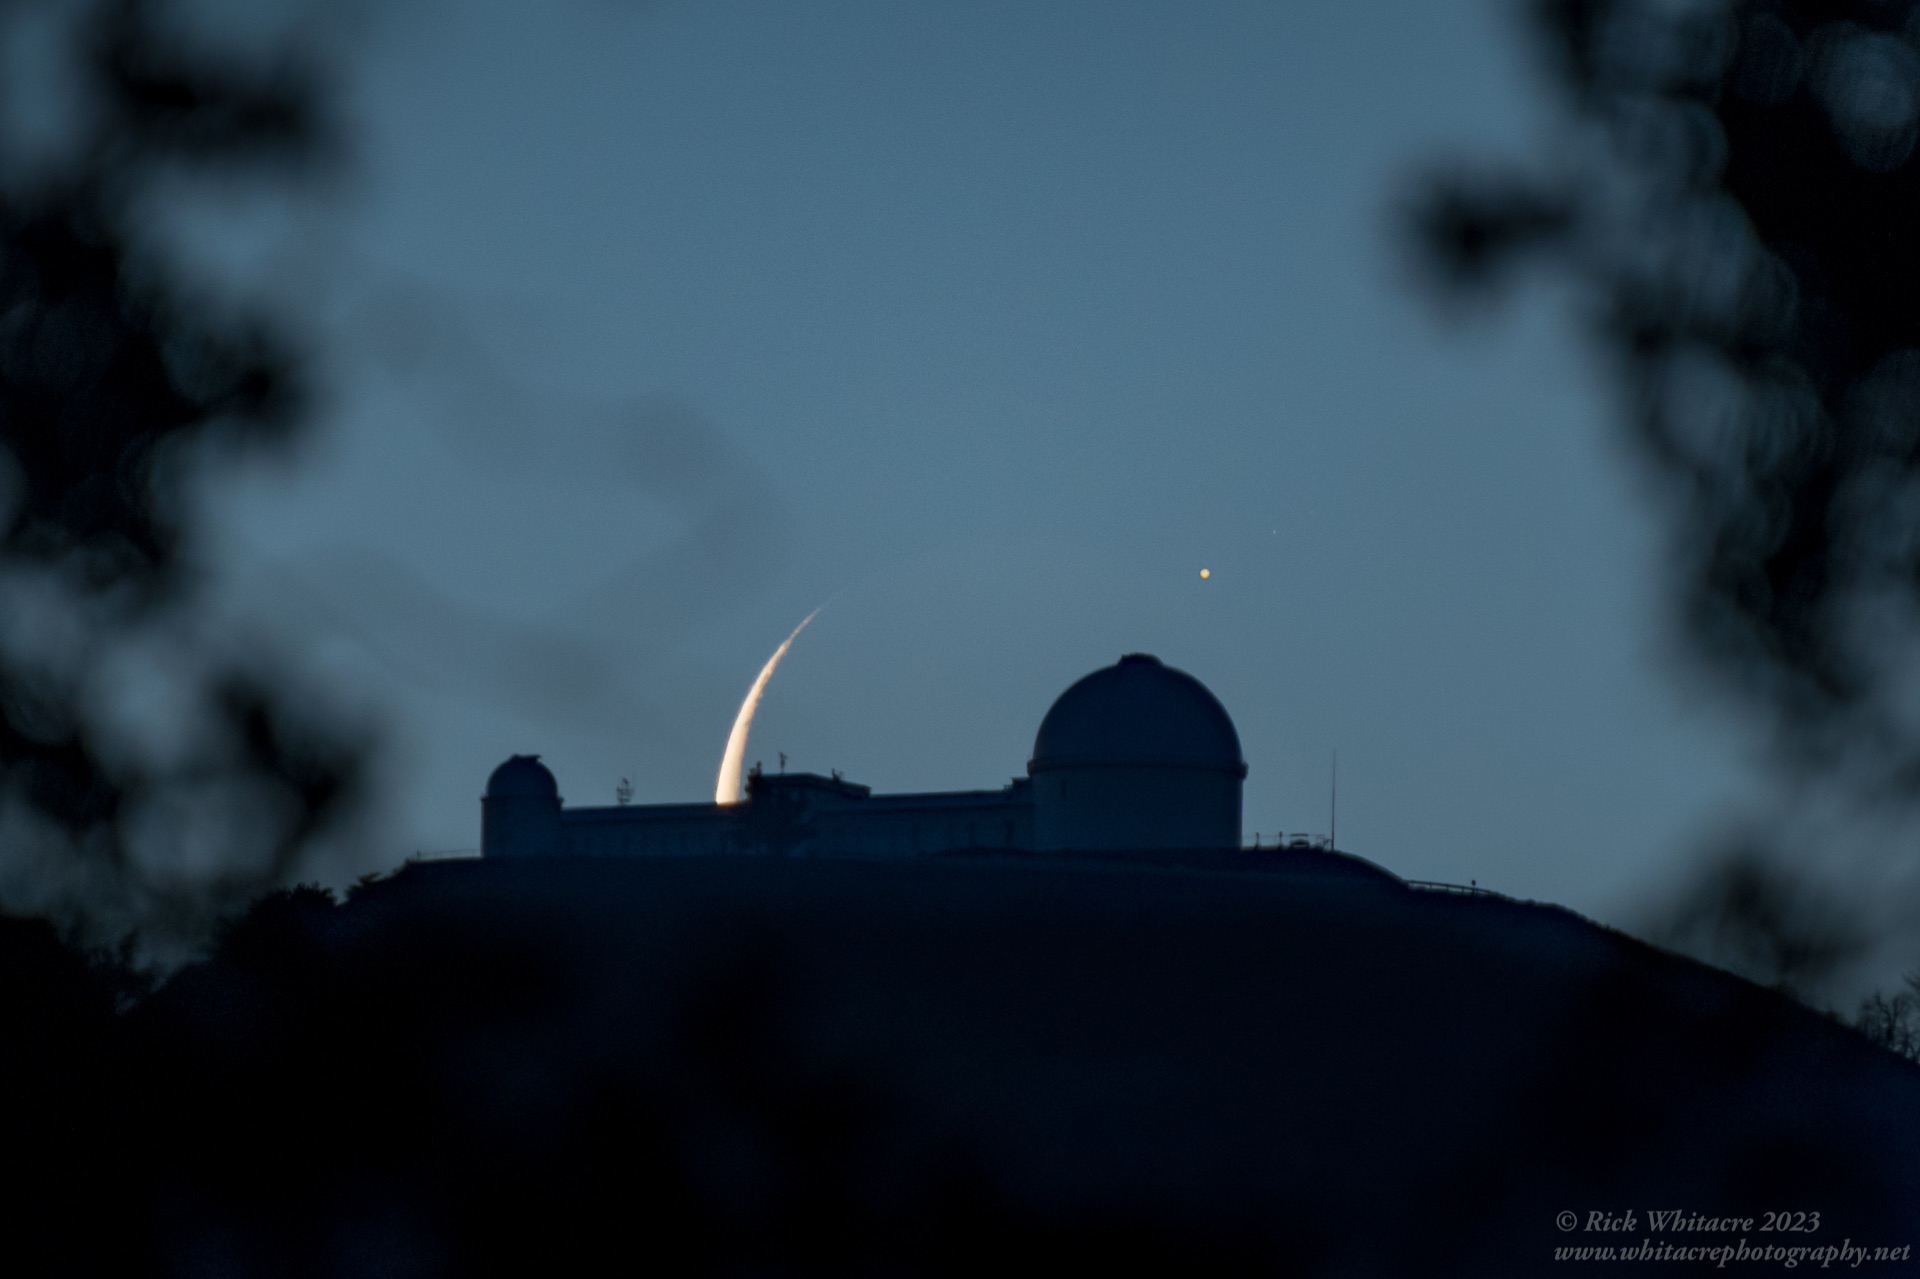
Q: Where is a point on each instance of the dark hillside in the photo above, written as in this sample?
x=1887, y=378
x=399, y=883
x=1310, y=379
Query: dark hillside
x=945, y=1065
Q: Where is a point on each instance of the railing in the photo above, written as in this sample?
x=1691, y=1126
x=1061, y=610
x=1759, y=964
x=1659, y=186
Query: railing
x=442, y=854
x=1458, y=890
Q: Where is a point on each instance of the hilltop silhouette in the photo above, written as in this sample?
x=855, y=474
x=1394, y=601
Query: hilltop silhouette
x=937, y=1066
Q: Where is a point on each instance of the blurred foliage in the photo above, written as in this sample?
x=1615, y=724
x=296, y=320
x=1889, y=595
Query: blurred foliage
x=1745, y=911
x=119, y=381
x=1733, y=194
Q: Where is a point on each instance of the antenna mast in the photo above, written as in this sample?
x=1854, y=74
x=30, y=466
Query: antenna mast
x=1333, y=804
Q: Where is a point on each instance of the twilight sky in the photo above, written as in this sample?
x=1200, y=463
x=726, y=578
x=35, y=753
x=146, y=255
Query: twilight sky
x=650, y=328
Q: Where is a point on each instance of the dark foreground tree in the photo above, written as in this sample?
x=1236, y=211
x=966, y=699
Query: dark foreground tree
x=1736, y=197
x=151, y=772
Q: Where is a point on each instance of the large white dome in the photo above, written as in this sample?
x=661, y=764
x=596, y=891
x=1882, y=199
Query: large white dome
x=1137, y=755
x=1138, y=711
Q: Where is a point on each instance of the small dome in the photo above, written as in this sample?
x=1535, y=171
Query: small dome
x=522, y=777
x=1138, y=711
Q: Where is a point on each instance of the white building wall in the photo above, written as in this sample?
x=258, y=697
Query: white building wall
x=1124, y=807
x=884, y=826
x=520, y=826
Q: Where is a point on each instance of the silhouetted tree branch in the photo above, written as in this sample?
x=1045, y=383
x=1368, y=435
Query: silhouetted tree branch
x=1736, y=198
x=1893, y=1021
x=117, y=378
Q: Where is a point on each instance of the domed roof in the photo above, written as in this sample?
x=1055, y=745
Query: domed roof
x=522, y=777
x=1138, y=711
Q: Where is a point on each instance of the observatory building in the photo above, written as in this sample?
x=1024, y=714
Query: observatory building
x=1135, y=756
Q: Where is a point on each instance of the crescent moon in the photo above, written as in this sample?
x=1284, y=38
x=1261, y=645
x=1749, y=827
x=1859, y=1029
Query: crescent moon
x=726, y=790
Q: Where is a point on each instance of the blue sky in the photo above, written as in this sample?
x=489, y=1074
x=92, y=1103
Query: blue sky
x=649, y=328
